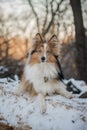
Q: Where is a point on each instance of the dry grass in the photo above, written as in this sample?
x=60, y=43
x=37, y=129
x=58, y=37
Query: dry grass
x=8, y=127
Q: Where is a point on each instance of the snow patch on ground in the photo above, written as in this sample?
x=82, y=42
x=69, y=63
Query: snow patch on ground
x=61, y=113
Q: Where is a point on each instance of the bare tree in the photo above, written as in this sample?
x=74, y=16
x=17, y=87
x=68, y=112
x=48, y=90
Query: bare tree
x=81, y=44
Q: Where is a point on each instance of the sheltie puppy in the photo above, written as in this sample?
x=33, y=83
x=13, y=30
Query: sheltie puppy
x=40, y=76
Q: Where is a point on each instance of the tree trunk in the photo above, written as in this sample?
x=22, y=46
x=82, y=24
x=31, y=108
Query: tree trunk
x=81, y=46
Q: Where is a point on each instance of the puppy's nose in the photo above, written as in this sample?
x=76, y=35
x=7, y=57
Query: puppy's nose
x=43, y=58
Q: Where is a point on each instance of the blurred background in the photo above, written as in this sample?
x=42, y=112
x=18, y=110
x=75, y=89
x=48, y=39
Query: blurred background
x=20, y=20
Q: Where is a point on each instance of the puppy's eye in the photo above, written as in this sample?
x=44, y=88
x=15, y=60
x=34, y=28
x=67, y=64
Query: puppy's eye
x=32, y=52
x=39, y=50
x=27, y=55
x=48, y=51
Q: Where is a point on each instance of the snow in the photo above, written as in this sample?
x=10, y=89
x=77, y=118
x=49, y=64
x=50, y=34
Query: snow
x=61, y=113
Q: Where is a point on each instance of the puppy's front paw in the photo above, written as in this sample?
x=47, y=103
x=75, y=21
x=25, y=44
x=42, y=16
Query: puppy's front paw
x=70, y=95
x=19, y=91
x=42, y=103
x=43, y=109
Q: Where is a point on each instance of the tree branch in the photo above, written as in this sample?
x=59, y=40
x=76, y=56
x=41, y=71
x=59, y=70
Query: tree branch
x=35, y=14
x=53, y=15
x=46, y=16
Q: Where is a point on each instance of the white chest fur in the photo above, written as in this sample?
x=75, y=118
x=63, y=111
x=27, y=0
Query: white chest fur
x=35, y=74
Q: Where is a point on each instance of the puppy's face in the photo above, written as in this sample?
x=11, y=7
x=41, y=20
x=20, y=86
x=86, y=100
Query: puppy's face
x=44, y=52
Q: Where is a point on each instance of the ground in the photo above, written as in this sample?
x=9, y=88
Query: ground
x=23, y=113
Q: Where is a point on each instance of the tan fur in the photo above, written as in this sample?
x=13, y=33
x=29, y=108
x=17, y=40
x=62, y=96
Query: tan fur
x=28, y=87
x=53, y=44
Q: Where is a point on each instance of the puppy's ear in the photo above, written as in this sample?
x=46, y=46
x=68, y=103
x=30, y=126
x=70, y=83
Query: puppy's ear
x=53, y=40
x=36, y=41
x=53, y=43
x=38, y=38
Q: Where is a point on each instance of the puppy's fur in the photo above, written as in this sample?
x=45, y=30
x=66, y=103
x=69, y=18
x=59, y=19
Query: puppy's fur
x=40, y=75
